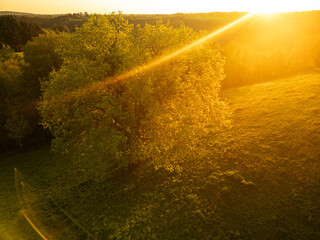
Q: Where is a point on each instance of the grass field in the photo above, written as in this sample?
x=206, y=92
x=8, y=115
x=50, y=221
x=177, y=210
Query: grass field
x=42, y=167
x=277, y=144
x=265, y=186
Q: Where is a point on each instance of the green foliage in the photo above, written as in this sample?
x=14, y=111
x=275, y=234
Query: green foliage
x=12, y=98
x=84, y=122
x=18, y=128
x=41, y=59
x=156, y=115
x=155, y=40
x=182, y=109
x=20, y=76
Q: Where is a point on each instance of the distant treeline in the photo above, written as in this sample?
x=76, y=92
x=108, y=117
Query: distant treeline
x=196, y=21
x=16, y=33
x=65, y=23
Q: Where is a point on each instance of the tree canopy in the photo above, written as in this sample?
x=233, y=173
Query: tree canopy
x=16, y=33
x=160, y=115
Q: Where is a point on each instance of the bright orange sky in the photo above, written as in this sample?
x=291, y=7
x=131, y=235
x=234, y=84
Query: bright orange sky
x=153, y=6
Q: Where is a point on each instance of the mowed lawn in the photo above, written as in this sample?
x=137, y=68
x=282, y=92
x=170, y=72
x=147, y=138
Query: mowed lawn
x=274, y=144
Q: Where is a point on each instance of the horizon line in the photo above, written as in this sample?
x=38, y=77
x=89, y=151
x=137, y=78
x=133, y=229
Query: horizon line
x=117, y=11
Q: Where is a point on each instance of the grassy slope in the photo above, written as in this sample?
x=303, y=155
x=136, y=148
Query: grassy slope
x=277, y=136
x=275, y=144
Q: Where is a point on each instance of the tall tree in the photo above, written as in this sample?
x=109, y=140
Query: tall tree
x=155, y=115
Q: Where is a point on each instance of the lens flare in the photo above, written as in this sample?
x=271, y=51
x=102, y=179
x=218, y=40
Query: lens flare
x=48, y=219
x=32, y=224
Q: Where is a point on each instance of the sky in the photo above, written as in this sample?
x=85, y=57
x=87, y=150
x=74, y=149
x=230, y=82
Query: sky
x=153, y=6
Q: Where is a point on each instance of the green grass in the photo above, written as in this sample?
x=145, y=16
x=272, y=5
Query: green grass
x=277, y=145
x=266, y=185
x=42, y=168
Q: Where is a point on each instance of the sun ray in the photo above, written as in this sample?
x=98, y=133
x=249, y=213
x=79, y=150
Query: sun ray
x=104, y=83
x=179, y=51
